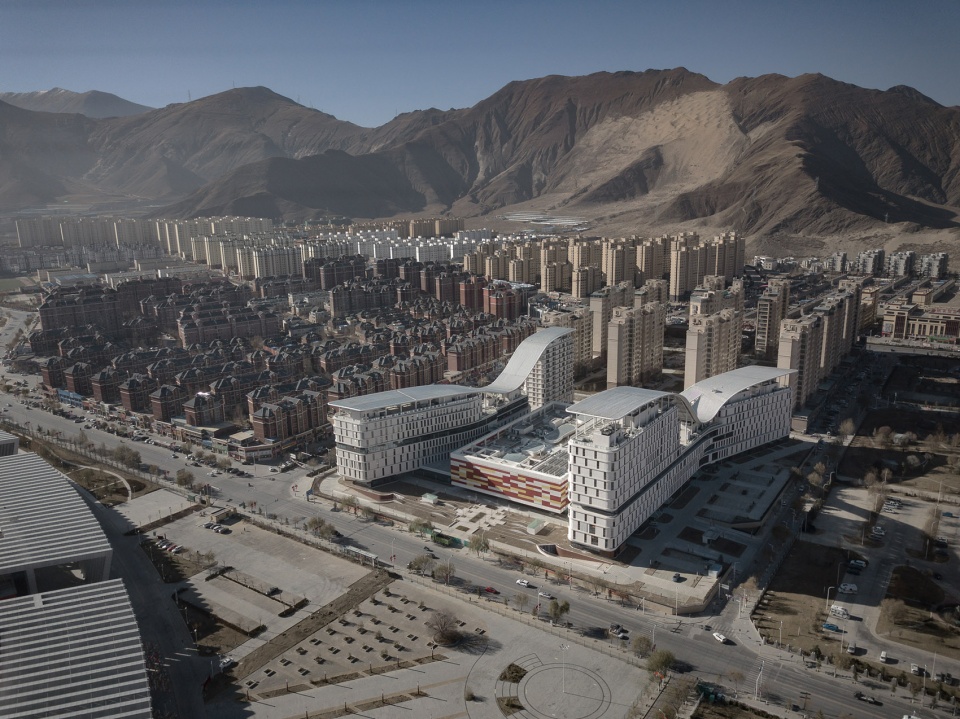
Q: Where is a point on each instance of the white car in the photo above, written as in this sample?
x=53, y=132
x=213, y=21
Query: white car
x=545, y=595
x=878, y=531
x=226, y=663
x=719, y=637
x=523, y=582
x=847, y=588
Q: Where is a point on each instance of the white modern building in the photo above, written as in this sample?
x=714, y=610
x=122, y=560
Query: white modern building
x=634, y=448
x=385, y=434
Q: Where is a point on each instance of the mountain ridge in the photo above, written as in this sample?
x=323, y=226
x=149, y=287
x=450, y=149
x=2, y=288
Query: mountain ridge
x=654, y=149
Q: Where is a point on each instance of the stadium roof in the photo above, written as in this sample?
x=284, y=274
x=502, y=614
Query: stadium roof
x=708, y=396
x=72, y=652
x=617, y=402
x=43, y=520
x=526, y=356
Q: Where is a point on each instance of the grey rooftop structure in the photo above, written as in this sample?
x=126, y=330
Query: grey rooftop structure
x=708, y=396
x=72, y=652
x=617, y=402
x=46, y=528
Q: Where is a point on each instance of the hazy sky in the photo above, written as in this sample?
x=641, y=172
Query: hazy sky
x=366, y=61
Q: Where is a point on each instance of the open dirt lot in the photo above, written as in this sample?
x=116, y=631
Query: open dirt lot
x=797, y=598
x=929, y=464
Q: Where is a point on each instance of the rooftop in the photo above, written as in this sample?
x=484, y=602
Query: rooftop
x=616, y=403
x=43, y=520
x=709, y=395
x=510, y=380
x=537, y=442
x=72, y=652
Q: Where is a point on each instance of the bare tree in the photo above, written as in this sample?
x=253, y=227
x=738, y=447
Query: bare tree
x=641, y=645
x=445, y=627
x=480, y=544
x=422, y=563
x=660, y=661
x=521, y=599
x=557, y=610
x=444, y=572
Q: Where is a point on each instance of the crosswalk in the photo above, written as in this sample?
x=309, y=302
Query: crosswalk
x=754, y=679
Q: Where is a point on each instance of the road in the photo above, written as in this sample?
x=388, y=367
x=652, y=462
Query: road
x=783, y=681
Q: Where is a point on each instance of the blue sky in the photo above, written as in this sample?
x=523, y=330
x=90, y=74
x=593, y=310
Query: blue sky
x=365, y=61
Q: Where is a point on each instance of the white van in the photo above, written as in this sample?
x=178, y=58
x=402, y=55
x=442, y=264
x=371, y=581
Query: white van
x=883, y=657
x=838, y=611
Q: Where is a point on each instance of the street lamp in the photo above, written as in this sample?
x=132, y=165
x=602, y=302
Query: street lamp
x=756, y=690
x=827, y=605
x=563, y=670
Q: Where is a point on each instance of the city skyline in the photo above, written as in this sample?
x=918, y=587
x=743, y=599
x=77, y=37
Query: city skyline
x=367, y=62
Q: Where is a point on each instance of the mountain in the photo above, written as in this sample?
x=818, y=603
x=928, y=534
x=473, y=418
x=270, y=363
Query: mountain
x=93, y=103
x=631, y=152
x=668, y=148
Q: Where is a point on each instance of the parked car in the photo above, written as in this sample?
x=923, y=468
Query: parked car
x=830, y=627
x=615, y=627
x=847, y=588
x=226, y=663
x=677, y=577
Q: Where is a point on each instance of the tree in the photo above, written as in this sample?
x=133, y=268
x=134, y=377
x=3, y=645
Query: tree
x=444, y=572
x=641, y=645
x=842, y=661
x=185, y=478
x=536, y=564
x=816, y=480
x=557, y=610
x=445, y=626
x=660, y=661
x=420, y=526
x=882, y=437
x=847, y=429
x=422, y=563
x=736, y=676
x=314, y=525
x=82, y=438
x=521, y=599
x=895, y=610
x=223, y=463
x=481, y=545
x=350, y=502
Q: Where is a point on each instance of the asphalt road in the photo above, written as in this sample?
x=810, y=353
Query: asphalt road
x=783, y=682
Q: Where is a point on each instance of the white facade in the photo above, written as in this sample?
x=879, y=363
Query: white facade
x=389, y=433
x=634, y=448
x=420, y=428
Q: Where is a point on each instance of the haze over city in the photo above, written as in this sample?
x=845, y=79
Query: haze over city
x=367, y=61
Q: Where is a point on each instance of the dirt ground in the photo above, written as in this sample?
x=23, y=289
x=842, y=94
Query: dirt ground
x=797, y=597
x=727, y=711
x=934, y=455
x=916, y=625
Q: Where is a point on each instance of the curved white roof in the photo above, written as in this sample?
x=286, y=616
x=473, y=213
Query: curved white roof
x=708, y=396
x=526, y=356
x=510, y=380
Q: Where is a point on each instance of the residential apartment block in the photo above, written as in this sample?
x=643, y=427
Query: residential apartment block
x=635, y=344
x=713, y=345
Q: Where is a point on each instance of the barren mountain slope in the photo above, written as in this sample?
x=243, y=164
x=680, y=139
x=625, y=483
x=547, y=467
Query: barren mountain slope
x=93, y=103
x=171, y=151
